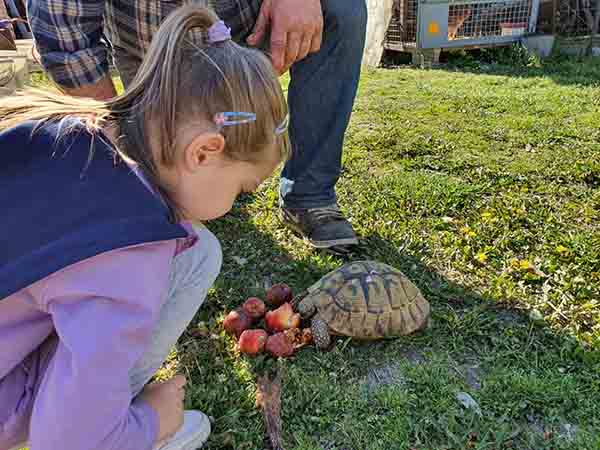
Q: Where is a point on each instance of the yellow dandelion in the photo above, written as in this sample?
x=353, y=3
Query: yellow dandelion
x=561, y=249
x=524, y=264
x=481, y=257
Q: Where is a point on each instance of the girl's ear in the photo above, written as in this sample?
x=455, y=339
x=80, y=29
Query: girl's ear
x=203, y=150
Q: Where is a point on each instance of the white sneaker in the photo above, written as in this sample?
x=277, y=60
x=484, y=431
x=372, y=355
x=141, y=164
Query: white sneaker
x=191, y=436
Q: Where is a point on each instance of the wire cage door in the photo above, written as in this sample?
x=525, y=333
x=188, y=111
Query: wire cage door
x=465, y=23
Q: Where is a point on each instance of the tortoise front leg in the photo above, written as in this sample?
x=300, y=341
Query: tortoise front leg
x=320, y=332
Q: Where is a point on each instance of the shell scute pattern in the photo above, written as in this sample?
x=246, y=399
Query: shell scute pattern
x=369, y=300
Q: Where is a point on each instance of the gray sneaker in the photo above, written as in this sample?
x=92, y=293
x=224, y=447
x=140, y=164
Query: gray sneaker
x=324, y=227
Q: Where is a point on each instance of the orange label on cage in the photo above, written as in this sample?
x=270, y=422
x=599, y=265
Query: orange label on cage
x=433, y=28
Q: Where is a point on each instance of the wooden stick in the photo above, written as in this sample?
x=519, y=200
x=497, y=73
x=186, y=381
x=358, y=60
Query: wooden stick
x=268, y=398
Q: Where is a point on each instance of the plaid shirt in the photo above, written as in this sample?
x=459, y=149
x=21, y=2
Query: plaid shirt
x=71, y=35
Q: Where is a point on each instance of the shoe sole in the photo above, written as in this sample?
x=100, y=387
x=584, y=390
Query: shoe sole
x=317, y=244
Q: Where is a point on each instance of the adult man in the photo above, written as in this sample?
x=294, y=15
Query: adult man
x=319, y=41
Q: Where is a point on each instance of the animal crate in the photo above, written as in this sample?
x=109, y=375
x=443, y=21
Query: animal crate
x=438, y=24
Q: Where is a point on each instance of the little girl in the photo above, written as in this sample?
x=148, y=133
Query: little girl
x=100, y=268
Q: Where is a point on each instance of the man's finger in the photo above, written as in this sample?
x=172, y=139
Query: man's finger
x=278, y=46
x=305, y=47
x=260, y=27
x=293, y=48
x=315, y=45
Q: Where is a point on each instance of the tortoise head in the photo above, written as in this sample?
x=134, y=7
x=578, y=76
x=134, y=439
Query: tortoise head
x=306, y=307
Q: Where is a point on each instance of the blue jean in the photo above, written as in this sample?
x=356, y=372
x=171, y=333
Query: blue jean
x=321, y=96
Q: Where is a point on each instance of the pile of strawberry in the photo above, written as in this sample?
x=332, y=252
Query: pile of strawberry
x=276, y=331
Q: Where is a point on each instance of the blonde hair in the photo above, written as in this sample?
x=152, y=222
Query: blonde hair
x=183, y=78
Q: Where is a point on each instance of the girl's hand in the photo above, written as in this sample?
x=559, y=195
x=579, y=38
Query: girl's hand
x=166, y=399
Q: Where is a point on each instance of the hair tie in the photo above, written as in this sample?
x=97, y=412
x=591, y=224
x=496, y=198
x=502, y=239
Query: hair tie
x=219, y=32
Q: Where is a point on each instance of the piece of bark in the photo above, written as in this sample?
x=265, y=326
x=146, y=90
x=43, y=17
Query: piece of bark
x=268, y=398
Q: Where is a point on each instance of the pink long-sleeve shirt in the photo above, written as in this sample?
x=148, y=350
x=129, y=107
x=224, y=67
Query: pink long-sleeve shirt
x=103, y=310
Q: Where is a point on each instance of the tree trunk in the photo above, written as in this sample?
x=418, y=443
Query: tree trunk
x=380, y=14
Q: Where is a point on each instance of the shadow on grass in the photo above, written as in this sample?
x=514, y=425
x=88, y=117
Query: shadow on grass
x=474, y=339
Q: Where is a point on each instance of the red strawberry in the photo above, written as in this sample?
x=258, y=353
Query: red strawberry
x=279, y=345
x=283, y=318
x=252, y=342
x=279, y=294
x=254, y=307
x=236, y=322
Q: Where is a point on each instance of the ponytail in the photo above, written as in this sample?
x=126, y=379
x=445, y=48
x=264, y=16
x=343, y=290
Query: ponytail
x=155, y=89
x=184, y=79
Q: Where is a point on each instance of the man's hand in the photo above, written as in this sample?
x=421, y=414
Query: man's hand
x=296, y=30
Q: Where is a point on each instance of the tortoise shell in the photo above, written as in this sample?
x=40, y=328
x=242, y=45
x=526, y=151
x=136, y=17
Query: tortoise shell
x=369, y=300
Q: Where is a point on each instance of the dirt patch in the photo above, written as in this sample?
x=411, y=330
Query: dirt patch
x=509, y=317
x=564, y=430
x=472, y=374
x=388, y=375
x=414, y=356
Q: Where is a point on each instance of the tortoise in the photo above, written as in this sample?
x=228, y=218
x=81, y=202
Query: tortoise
x=365, y=300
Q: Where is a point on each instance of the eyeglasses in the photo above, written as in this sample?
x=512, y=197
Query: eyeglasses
x=229, y=118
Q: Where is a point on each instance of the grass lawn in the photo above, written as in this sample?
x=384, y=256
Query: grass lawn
x=483, y=186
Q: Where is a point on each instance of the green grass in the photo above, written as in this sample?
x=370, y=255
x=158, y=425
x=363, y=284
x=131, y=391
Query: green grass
x=483, y=186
